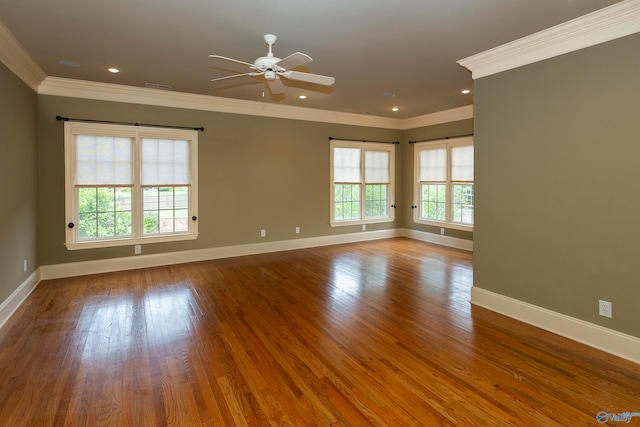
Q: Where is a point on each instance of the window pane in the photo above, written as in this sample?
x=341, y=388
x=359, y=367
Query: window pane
x=433, y=164
x=104, y=212
x=346, y=201
x=376, y=166
x=104, y=160
x=165, y=162
x=376, y=200
x=433, y=201
x=165, y=209
x=346, y=165
x=462, y=163
x=462, y=204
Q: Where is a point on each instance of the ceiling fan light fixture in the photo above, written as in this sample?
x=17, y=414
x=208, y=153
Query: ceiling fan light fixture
x=274, y=69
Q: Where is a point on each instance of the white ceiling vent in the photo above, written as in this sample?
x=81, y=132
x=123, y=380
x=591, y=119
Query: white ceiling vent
x=157, y=86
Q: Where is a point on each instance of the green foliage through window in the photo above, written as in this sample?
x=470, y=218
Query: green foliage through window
x=462, y=205
x=434, y=197
x=347, y=201
x=376, y=200
x=104, y=212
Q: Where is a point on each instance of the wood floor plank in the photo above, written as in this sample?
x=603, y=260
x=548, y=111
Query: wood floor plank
x=374, y=333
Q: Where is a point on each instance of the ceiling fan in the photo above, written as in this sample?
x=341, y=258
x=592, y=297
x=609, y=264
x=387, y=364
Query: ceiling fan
x=273, y=68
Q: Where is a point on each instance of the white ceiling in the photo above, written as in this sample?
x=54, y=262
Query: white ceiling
x=383, y=53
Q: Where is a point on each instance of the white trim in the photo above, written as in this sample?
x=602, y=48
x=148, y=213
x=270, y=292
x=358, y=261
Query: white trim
x=446, y=116
x=143, y=261
x=57, y=86
x=608, y=340
x=145, y=96
x=618, y=20
x=18, y=60
x=438, y=239
x=17, y=297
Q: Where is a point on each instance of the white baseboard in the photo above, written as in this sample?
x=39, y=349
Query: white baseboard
x=143, y=261
x=11, y=304
x=608, y=340
x=453, y=242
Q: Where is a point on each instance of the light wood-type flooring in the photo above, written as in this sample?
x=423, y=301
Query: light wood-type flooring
x=367, y=334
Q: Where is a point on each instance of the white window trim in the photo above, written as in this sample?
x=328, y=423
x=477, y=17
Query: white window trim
x=373, y=146
x=71, y=129
x=443, y=143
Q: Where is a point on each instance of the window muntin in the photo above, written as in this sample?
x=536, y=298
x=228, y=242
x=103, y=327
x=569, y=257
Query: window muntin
x=444, y=175
x=362, y=183
x=128, y=185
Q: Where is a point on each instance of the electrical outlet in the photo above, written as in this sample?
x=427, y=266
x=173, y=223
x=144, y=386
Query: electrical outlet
x=137, y=249
x=24, y=266
x=364, y=227
x=604, y=309
x=263, y=233
x=297, y=230
x=442, y=230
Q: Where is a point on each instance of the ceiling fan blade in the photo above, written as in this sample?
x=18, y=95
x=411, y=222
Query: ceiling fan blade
x=275, y=86
x=230, y=59
x=308, y=77
x=294, y=60
x=235, y=75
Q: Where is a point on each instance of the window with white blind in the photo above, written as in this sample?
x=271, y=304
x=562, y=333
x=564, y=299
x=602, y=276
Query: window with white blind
x=444, y=178
x=361, y=182
x=129, y=185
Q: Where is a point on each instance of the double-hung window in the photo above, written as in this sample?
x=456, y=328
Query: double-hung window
x=128, y=185
x=362, y=182
x=444, y=178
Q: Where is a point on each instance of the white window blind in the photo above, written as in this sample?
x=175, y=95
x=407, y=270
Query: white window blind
x=346, y=165
x=103, y=160
x=462, y=163
x=376, y=168
x=433, y=165
x=165, y=162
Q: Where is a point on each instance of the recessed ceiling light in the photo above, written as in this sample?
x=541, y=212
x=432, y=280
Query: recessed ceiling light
x=465, y=91
x=114, y=70
x=303, y=97
x=68, y=63
x=395, y=109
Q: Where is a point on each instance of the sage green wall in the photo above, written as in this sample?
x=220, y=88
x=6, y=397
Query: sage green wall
x=443, y=130
x=557, y=149
x=18, y=181
x=254, y=173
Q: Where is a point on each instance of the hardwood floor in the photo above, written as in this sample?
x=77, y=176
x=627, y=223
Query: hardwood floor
x=374, y=333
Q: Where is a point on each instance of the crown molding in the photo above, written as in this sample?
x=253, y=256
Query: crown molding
x=137, y=95
x=619, y=20
x=16, y=58
x=446, y=116
x=57, y=86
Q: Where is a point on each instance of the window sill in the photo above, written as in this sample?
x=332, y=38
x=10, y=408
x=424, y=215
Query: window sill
x=360, y=221
x=444, y=224
x=130, y=241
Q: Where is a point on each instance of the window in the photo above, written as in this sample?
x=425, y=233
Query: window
x=444, y=176
x=129, y=185
x=362, y=182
